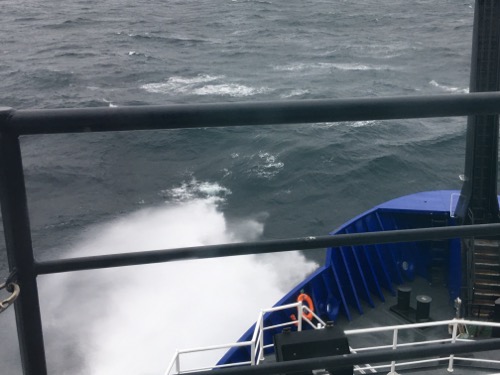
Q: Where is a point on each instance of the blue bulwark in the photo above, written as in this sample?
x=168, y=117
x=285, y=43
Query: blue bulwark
x=352, y=275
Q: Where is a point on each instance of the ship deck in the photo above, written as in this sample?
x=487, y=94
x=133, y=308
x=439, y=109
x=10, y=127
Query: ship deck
x=441, y=309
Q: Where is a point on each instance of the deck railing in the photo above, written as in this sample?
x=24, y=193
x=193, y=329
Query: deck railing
x=15, y=212
x=456, y=336
x=456, y=326
x=256, y=344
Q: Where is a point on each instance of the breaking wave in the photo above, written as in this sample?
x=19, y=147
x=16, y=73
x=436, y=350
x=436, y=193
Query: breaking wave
x=311, y=67
x=131, y=320
x=449, y=88
x=203, y=85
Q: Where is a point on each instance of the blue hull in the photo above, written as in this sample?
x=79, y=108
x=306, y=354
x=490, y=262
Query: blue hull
x=354, y=277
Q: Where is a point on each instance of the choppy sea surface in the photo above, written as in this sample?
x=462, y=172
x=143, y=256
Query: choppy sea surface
x=97, y=193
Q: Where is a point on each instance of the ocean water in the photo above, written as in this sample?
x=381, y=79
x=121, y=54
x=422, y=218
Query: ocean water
x=100, y=193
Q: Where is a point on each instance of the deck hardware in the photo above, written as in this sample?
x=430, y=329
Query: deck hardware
x=13, y=288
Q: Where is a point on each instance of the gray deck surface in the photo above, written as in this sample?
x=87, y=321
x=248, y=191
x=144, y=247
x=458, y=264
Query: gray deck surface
x=441, y=309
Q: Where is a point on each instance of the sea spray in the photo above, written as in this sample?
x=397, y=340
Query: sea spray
x=131, y=320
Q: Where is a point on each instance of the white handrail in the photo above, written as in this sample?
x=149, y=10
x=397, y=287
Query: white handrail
x=453, y=340
x=257, y=344
x=320, y=321
x=215, y=347
x=395, y=330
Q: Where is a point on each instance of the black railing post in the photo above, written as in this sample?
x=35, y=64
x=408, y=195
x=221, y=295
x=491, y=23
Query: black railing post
x=479, y=191
x=19, y=249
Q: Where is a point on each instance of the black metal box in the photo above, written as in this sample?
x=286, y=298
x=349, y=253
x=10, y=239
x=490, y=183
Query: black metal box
x=325, y=342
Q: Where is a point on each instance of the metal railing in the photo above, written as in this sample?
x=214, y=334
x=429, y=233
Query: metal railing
x=453, y=324
x=256, y=344
x=457, y=328
x=15, y=213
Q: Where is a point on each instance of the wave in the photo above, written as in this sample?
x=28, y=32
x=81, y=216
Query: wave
x=268, y=165
x=293, y=93
x=449, y=88
x=171, y=39
x=304, y=67
x=230, y=89
x=381, y=50
x=180, y=85
x=195, y=189
x=76, y=22
x=131, y=321
x=352, y=124
x=203, y=85
x=262, y=165
x=110, y=103
x=362, y=124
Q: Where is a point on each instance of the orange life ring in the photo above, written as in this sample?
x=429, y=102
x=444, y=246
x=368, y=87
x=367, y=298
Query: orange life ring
x=301, y=298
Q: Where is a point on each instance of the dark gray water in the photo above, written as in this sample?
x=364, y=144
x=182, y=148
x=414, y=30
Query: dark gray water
x=254, y=183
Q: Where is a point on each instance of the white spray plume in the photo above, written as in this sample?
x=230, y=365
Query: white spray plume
x=131, y=320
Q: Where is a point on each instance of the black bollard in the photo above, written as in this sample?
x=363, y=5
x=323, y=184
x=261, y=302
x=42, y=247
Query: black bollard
x=404, y=293
x=423, y=308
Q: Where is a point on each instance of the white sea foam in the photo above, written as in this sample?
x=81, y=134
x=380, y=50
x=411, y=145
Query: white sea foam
x=298, y=92
x=195, y=189
x=325, y=125
x=267, y=165
x=110, y=104
x=131, y=320
x=449, y=88
x=360, y=124
x=383, y=50
x=305, y=67
x=230, y=89
x=203, y=85
x=181, y=85
x=350, y=66
x=354, y=124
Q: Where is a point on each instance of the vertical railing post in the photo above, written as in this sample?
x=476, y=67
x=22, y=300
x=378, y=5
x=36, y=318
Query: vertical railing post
x=453, y=340
x=261, y=338
x=394, y=347
x=252, y=354
x=19, y=248
x=299, y=318
x=178, y=363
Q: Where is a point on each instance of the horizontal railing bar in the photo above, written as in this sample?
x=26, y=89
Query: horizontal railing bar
x=462, y=322
x=282, y=307
x=477, y=360
x=416, y=343
x=353, y=359
x=263, y=247
x=215, y=347
x=194, y=370
x=47, y=121
x=291, y=323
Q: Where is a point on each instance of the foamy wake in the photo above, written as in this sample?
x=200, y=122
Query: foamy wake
x=449, y=88
x=131, y=320
x=203, y=85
